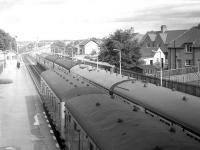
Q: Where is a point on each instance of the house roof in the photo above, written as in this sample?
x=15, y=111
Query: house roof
x=152, y=36
x=190, y=36
x=84, y=42
x=147, y=52
x=172, y=34
x=166, y=37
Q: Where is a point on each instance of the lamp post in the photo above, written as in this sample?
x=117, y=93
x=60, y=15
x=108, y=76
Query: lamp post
x=98, y=58
x=160, y=66
x=120, y=59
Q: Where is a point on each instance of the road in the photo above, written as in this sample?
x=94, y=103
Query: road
x=23, y=125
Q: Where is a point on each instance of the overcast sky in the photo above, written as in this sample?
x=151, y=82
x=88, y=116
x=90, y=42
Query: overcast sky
x=78, y=19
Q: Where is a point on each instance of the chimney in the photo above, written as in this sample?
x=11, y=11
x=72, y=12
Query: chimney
x=163, y=28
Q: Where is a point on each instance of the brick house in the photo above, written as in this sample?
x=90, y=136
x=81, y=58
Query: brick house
x=161, y=39
x=184, y=51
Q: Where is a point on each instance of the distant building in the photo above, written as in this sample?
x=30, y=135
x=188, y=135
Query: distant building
x=184, y=51
x=152, y=55
x=88, y=47
x=161, y=38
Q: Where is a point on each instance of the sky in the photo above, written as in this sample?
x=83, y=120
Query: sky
x=80, y=19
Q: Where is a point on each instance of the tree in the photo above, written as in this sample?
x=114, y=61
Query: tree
x=6, y=41
x=197, y=27
x=58, y=46
x=125, y=41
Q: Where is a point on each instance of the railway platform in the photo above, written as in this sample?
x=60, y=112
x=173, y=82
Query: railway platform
x=23, y=124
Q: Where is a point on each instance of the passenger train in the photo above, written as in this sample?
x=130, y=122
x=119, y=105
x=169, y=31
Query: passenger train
x=88, y=118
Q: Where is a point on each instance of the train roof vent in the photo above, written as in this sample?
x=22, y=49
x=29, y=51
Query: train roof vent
x=71, y=83
x=119, y=120
x=133, y=80
x=75, y=86
x=157, y=148
x=98, y=104
x=173, y=89
x=145, y=85
x=82, y=82
x=124, y=133
x=66, y=80
x=172, y=130
x=88, y=85
x=184, y=98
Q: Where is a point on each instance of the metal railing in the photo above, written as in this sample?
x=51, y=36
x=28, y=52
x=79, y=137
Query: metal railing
x=179, y=71
x=179, y=86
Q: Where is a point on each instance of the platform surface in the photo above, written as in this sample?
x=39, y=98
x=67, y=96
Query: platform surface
x=22, y=122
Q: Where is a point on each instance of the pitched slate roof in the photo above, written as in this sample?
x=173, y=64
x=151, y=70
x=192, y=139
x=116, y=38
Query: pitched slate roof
x=147, y=52
x=84, y=42
x=152, y=36
x=166, y=37
x=190, y=36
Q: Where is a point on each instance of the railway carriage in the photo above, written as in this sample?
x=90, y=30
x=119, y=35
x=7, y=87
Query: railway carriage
x=55, y=88
x=89, y=119
x=164, y=104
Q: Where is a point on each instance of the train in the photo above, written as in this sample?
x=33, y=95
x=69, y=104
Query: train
x=88, y=118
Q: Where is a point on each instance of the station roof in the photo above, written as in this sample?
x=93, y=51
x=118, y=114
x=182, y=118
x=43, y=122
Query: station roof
x=66, y=63
x=113, y=126
x=52, y=57
x=169, y=103
x=43, y=55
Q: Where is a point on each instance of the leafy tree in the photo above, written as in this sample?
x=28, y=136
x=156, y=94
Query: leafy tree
x=6, y=41
x=197, y=27
x=58, y=46
x=125, y=41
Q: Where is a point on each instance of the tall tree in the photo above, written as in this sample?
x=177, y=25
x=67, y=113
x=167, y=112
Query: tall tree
x=6, y=41
x=125, y=41
x=58, y=46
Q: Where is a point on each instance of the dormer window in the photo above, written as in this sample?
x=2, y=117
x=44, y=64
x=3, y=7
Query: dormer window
x=188, y=48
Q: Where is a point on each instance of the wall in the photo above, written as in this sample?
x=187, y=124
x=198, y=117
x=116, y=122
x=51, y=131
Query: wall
x=90, y=46
x=157, y=56
x=147, y=60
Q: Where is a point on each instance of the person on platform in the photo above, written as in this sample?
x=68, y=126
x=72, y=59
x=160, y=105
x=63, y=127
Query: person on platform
x=18, y=64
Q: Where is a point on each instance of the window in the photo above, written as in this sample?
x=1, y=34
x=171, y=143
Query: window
x=69, y=118
x=188, y=62
x=188, y=48
x=151, y=62
x=75, y=126
x=91, y=147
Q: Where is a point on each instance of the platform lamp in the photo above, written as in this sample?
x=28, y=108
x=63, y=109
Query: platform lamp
x=160, y=66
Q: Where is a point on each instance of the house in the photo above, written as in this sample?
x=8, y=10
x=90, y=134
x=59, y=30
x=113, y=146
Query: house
x=161, y=38
x=152, y=55
x=87, y=47
x=184, y=51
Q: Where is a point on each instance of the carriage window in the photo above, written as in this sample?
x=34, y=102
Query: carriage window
x=75, y=126
x=91, y=146
x=69, y=118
